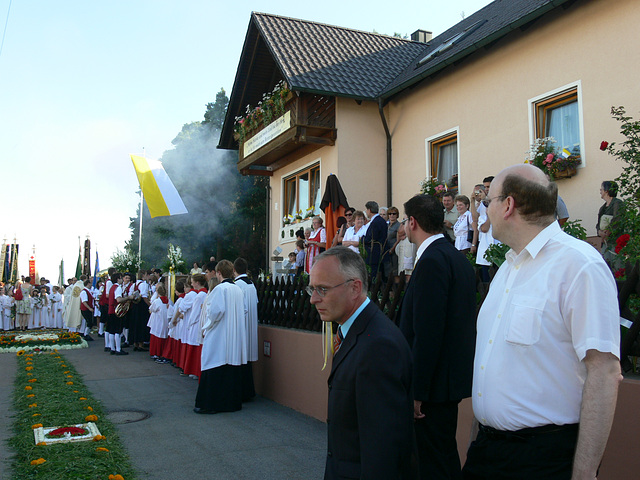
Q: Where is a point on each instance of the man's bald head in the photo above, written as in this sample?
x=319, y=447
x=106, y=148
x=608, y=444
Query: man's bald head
x=534, y=195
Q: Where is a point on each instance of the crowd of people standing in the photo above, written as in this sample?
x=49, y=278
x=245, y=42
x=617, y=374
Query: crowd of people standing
x=541, y=364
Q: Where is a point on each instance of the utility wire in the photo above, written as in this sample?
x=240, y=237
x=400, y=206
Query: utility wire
x=6, y=22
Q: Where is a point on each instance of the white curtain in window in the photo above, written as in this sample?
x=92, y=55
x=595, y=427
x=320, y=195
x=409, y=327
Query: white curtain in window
x=447, y=161
x=303, y=186
x=290, y=195
x=563, y=124
x=315, y=195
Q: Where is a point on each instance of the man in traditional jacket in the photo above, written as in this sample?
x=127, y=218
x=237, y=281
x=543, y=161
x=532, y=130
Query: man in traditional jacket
x=224, y=347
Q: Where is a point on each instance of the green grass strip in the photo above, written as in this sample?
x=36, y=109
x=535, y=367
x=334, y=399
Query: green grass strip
x=57, y=390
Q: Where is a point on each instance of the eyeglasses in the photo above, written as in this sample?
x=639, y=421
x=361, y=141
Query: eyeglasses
x=348, y=214
x=488, y=200
x=393, y=213
x=404, y=221
x=322, y=291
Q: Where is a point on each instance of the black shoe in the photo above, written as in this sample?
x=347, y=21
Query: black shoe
x=88, y=338
x=107, y=349
x=113, y=352
x=125, y=345
x=203, y=411
x=121, y=353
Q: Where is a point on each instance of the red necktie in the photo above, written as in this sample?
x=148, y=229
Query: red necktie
x=337, y=341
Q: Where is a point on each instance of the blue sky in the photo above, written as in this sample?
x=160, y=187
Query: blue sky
x=83, y=84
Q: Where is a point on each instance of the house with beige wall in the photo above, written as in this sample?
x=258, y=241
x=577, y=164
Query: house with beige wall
x=384, y=113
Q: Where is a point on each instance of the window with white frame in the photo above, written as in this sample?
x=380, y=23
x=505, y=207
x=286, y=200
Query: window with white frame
x=558, y=115
x=301, y=191
x=443, y=158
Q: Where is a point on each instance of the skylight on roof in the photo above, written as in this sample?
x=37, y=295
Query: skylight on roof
x=450, y=42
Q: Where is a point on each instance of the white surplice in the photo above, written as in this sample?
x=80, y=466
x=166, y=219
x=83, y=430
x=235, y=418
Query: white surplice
x=225, y=336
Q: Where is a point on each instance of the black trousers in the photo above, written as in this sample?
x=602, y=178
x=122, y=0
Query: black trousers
x=533, y=453
x=114, y=324
x=436, y=439
x=88, y=317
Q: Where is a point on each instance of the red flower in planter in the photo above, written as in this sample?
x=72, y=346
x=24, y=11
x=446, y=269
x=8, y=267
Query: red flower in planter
x=604, y=145
x=619, y=273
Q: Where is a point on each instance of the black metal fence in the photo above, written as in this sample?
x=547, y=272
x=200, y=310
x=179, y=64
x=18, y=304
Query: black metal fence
x=283, y=302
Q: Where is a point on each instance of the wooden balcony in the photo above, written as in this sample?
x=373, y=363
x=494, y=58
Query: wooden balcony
x=307, y=124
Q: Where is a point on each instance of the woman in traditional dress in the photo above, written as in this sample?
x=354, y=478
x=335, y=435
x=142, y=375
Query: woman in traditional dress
x=316, y=243
x=23, y=306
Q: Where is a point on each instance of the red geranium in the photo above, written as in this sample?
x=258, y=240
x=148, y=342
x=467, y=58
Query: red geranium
x=620, y=273
x=622, y=242
x=604, y=145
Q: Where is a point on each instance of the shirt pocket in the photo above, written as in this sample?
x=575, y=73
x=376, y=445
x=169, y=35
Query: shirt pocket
x=525, y=321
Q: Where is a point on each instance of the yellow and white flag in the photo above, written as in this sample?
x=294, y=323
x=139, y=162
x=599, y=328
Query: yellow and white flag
x=161, y=196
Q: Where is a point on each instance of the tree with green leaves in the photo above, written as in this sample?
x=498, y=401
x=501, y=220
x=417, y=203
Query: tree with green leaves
x=628, y=152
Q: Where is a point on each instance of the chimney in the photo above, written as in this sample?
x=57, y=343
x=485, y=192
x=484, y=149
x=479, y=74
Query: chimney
x=421, y=36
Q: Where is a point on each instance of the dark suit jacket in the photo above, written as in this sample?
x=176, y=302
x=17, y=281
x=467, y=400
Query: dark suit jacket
x=375, y=242
x=370, y=421
x=438, y=319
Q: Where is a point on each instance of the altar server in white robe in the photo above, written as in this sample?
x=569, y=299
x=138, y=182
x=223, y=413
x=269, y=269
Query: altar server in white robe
x=224, y=347
x=56, y=307
x=6, y=302
x=240, y=268
x=193, y=333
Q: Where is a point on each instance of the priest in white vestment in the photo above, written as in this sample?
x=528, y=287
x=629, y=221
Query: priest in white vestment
x=72, y=315
x=224, y=347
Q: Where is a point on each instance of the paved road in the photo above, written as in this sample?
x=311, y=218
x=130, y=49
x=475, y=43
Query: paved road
x=263, y=441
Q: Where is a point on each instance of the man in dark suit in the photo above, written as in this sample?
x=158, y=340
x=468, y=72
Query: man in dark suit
x=437, y=317
x=375, y=238
x=370, y=420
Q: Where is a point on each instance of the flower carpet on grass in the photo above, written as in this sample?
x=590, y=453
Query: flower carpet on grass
x=40, y=341
x=50, y=393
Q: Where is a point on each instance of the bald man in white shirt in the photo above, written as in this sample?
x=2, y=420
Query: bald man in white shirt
x=546, y=368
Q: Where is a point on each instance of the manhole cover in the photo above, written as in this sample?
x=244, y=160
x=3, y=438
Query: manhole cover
x=127, y=416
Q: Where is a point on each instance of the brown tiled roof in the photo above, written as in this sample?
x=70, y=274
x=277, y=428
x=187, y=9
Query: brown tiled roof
x=326, y=59
x=484, y=27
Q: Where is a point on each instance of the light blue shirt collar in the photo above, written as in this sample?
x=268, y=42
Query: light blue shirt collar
x=347, y=325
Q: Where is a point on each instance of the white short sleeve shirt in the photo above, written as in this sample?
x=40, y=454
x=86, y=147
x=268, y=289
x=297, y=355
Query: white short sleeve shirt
x=546, y=307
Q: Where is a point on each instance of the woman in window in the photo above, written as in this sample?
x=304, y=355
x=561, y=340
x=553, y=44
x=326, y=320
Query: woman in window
x=316, y=243
x=463, y=228
x=353, y=234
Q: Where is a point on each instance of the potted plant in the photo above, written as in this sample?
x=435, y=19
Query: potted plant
x=551, y=160
x=432, y=186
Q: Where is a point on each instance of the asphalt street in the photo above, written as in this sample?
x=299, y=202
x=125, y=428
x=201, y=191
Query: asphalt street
x=152, y=407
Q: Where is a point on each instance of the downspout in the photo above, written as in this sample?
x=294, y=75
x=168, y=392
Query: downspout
x=389, y=163
x=268, y=226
